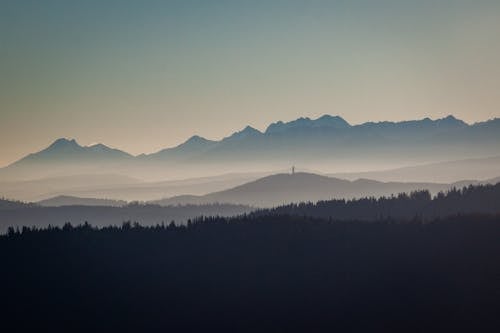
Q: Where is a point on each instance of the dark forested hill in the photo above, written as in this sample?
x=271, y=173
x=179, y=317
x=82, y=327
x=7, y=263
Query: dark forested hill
x=6, y=204
x=256, y=274
x=31, y=215
x=471, y=199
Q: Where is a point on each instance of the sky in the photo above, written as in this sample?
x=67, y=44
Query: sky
x=144, y=75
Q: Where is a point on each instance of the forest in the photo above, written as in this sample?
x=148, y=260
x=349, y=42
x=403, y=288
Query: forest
x=417, y=204
x=279, y=273
x=18, y=214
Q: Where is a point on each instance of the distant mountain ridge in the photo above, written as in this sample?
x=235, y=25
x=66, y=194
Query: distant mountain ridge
x=321, y=131
x=326, y=121
x=64, y=200
x=327, y=140
x=449, y=171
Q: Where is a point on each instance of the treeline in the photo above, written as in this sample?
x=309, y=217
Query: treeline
x=14, y=204
x=418, y=204
x=256, y=273
x=41, y=217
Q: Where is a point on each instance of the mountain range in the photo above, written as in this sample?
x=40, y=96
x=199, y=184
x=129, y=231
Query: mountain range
x=331, y=139
x=327, y=143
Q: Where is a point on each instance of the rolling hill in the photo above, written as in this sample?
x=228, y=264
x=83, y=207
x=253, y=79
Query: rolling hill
x=301, y=187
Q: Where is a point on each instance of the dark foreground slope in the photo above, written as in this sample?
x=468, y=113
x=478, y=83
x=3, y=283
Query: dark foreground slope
x=277, y=274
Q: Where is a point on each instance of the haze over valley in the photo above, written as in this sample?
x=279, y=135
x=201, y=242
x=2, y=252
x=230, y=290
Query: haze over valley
x=428, y=151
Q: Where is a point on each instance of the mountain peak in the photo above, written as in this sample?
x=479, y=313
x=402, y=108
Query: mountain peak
x=101, y=148
x=195, y=141
x=450, y=121
x=64, y=142
x=98, y=146
x=65, y=150
x=249, y=130
x=332, y=121
x=325, y=121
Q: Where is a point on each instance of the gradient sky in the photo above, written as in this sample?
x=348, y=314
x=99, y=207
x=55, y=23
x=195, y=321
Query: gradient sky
x=145, y=75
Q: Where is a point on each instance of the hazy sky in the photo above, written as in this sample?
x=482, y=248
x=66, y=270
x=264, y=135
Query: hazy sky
x=145, y=75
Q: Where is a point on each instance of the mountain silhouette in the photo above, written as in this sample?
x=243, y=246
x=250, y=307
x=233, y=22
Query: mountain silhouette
x=303, y=124
x=331, y=141
x=325, y=142
x=65, y=157
x=65, y=149
x=193, y=145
